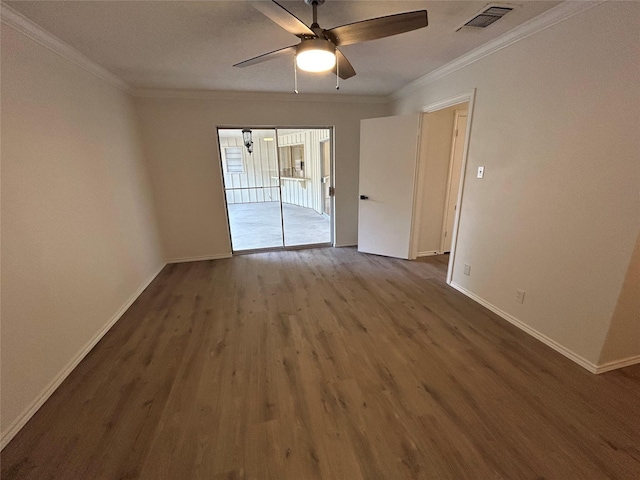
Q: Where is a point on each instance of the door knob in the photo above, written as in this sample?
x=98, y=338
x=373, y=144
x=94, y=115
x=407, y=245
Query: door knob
x=363, y=197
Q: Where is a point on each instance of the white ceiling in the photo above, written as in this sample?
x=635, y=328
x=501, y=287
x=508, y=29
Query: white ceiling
x=193, y=44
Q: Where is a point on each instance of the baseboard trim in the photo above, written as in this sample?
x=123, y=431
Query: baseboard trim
x=427, y=254
x=200, y=259
x=342, y=245
x=583, y=362
x=625, y=362
x=21, y=421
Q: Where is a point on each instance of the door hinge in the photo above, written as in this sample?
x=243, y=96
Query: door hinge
x=331, y=191
x=456, y=134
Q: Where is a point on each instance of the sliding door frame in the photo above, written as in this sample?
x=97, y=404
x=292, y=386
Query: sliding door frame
x=331, y=243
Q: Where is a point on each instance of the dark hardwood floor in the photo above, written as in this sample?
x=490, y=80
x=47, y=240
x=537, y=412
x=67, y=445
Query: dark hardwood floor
x=326, y=364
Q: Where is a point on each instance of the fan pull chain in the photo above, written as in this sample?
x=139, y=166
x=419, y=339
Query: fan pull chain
x=337, y=74
x=295, y=76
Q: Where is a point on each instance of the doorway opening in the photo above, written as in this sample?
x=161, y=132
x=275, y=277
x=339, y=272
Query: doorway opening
x=453, y=118
x=401, y=211
x=278, y=185
x=440, y=166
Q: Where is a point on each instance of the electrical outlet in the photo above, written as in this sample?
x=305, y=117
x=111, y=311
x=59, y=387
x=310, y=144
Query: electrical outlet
x=520, y=296
x=467, y=269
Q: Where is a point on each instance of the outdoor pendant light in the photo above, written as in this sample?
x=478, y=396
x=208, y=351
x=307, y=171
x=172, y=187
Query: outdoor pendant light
x=315, y=55
x=246, y=138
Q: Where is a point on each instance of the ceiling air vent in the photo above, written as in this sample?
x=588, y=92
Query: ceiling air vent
x=486, y=17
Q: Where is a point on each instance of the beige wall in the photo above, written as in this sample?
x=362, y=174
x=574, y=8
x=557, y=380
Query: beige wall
x=180, y=143
x=623, y=337
x=556, y=126
x=435, y=157
x=78, y=230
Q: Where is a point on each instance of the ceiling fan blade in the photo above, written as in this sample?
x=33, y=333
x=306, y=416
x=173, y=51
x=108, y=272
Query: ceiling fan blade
x=344, y=68
x=377, y=28
x=267, y=56
x=283, y=17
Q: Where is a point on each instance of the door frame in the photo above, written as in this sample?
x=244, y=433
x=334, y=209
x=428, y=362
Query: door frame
x=332, y=222
x=456, y=117
x=434, y=107
x=322, y=158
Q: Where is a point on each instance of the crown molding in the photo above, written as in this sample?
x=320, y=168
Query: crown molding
x=553, y=16
x=35, y=32
x=257, y=96
x=561, y=12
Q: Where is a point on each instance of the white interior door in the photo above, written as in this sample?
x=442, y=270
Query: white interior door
x=457, y=148
x=388, y=159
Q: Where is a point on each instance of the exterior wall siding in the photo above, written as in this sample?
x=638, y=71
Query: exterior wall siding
x=261, y=170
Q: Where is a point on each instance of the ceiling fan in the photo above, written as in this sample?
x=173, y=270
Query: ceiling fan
x=318, y=48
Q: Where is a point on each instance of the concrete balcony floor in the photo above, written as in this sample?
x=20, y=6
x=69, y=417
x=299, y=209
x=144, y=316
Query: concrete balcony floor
x=258, y=225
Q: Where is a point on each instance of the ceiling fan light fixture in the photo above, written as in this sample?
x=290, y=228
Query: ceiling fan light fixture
x=315, y=55
x=318, y=50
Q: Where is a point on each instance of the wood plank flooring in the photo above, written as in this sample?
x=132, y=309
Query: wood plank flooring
x=326, y=364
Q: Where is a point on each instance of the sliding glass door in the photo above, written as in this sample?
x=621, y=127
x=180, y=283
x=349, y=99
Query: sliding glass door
x=277, y=186
x=252, y=188
x=300, y=153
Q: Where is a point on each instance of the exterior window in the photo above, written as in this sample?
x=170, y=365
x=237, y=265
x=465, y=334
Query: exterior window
x=233, y=158
x=292, y=161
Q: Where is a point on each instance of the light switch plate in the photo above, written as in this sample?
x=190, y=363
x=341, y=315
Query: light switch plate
x=480, y=172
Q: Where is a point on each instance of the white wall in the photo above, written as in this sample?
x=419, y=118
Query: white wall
x=261, y=169
x=556, y=126
x=78, y=228
x=179, y=135
x=310, y=193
